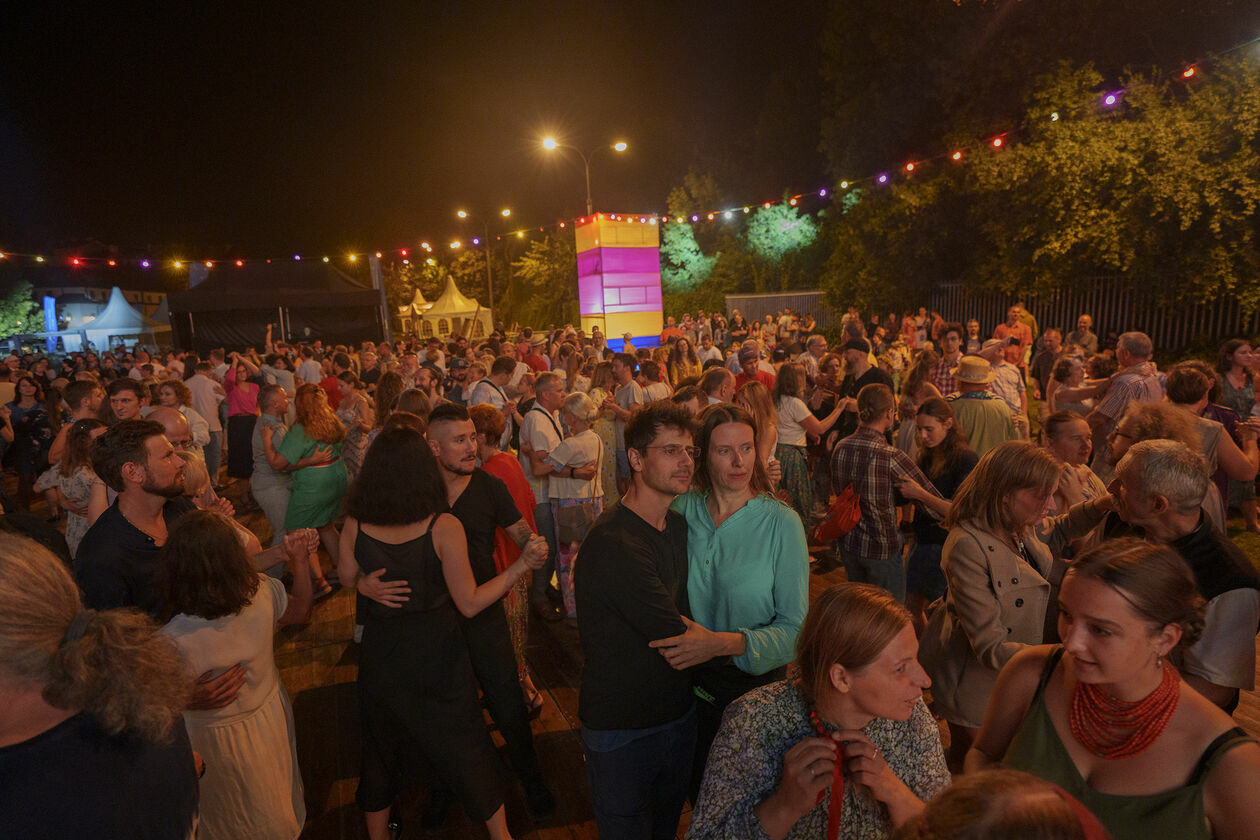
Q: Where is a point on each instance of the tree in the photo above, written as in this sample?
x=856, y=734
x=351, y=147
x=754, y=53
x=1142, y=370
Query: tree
x=1159, y=191
x=18, y=310
x=774, y=232
x=543, y=288
x=683, y=266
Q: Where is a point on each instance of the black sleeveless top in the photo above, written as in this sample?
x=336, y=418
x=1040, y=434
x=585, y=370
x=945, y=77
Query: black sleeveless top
x=414, y=561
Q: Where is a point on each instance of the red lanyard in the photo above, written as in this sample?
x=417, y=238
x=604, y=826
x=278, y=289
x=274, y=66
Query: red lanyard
x=837, y=782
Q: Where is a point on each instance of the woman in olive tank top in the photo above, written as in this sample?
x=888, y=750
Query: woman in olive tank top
x=1107, y=717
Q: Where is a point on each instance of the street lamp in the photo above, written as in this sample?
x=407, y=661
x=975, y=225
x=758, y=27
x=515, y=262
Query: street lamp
x=550, y=144
x=485, y=238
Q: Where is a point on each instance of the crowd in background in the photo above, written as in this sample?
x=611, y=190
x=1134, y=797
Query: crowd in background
x=1031, y=523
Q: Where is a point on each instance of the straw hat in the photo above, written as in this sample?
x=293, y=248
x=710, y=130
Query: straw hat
x=974, y=370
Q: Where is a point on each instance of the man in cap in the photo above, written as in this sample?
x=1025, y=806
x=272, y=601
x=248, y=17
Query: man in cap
x=857, y=360
x=984, y=418
x=750, y=367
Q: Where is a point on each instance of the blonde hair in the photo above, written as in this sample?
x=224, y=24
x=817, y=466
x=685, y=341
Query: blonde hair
x=196, y=475
x=582, y=407
x=760, y=405
x=118, y=669
x=850, y=624
x=1006, y=468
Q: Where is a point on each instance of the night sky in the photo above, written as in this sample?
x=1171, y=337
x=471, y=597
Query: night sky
x=272, y=128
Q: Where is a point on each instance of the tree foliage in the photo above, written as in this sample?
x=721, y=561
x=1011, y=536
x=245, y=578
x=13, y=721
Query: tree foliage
x=18, y=310
x=1160, y=190
x=543, y=285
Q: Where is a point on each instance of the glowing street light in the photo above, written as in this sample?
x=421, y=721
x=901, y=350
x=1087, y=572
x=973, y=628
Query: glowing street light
x=550, y=144
x=485, y=237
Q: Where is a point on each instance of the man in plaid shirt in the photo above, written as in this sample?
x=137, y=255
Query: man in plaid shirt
x=884, y=477
x=942, y=373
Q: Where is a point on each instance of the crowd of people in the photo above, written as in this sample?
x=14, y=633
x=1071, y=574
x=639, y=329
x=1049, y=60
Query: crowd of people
x=1031, y=526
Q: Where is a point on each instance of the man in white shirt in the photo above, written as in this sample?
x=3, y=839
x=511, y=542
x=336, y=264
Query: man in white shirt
x=206, y=396
x=541, y=433
x=707, y=352
x=718, y=385
x=492, y=390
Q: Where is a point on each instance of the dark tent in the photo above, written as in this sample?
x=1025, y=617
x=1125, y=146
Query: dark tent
x=304, y=300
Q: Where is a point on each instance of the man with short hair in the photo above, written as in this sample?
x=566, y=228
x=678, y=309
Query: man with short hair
x=884, y=478
x=1133, y=382
x=1014, y=328
x=331, y=384
x=983, y=417
x=1042, y=366
x=942, y=373
x=691, y=398
x=815, y=349
x=206, y=396
x=1159, y=489
x=126, y=398
x=623, y=402
x=638, y=713
x=270, y=483
x=116, y=559
x=540, y=435
x=706, y=351
x=718, y=384
x=1083, y=336
x=482, y=504
x=649, y=380
x=857, y=359
x=973, y=342
x=492, y=390
x=84, y=397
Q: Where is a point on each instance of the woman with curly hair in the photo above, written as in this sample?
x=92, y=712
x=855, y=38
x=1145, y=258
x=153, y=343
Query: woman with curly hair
x=221, y=612
x=318, y=490
x=173, y=393
x=683, y=363
x=76, y=479
x=91, y=741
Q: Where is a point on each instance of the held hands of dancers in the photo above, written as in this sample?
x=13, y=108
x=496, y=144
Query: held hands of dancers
x=534, y=552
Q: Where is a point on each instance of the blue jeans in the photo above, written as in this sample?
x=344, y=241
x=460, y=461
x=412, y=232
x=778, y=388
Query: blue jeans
x=887, y=573
x=214, y=453
x=545, y=521
x=638, y=789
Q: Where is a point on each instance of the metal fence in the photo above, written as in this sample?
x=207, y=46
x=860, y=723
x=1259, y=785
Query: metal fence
x=805, y=301
x=1115, y=308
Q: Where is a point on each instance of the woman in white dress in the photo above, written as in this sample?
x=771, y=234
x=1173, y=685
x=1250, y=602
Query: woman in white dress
x=223, y=613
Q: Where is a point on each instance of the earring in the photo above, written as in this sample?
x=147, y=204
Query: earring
x=1159, y=660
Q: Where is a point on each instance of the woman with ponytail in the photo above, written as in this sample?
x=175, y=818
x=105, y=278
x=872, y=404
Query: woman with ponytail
x=91, y=739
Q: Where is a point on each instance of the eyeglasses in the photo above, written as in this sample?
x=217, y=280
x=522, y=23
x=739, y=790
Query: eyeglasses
x=673, y=450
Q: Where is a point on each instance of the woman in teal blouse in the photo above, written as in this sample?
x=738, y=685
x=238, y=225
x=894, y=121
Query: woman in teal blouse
x=747, y=574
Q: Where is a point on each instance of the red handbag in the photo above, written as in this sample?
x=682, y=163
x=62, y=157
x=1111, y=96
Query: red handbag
x=846, y=510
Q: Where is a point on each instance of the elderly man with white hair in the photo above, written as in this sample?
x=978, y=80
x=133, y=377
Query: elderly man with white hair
x=1159, y=489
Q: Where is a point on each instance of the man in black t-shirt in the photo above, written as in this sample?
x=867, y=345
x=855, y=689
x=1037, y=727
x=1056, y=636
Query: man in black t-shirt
x=117, y=557
x=858, y=374
x=638, y=713
x=482, y=503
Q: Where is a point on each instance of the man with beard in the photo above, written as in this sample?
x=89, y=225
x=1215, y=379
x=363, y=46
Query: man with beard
x=638, y=713
x=116, y=559
x=482, y=503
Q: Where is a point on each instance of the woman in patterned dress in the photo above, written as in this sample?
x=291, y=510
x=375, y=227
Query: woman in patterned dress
x=859, y=700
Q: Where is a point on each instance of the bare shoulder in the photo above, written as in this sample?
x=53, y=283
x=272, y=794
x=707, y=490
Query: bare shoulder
x=1023, y=671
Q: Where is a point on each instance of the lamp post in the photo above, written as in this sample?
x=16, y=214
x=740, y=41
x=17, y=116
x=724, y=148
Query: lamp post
x=550, y=144
x=485, y=238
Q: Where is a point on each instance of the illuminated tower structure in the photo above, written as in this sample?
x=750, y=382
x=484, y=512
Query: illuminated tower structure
x=619, y=277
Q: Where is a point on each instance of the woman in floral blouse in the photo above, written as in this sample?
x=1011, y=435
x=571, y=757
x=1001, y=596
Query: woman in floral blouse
x=770, y=772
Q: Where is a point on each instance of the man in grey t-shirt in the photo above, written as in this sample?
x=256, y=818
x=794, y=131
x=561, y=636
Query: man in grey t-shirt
x=623, y=403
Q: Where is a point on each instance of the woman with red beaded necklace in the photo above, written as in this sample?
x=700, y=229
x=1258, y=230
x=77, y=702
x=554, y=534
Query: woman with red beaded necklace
x=1106, y=717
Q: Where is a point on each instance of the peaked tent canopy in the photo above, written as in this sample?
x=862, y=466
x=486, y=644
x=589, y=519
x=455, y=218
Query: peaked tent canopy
x=453, y=313
x=303, y=301
x=119, y=316
x=418, y=305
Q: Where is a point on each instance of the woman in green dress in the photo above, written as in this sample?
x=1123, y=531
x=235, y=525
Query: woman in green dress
x=318, y=490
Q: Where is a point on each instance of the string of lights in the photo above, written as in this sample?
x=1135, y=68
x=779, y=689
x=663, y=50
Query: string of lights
x=958, y=154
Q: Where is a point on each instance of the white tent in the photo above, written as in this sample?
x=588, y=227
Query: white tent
x=451, y=313
x=409, y=314
x=118, y=323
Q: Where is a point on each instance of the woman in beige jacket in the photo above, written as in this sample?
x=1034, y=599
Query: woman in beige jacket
x=1002, y=567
